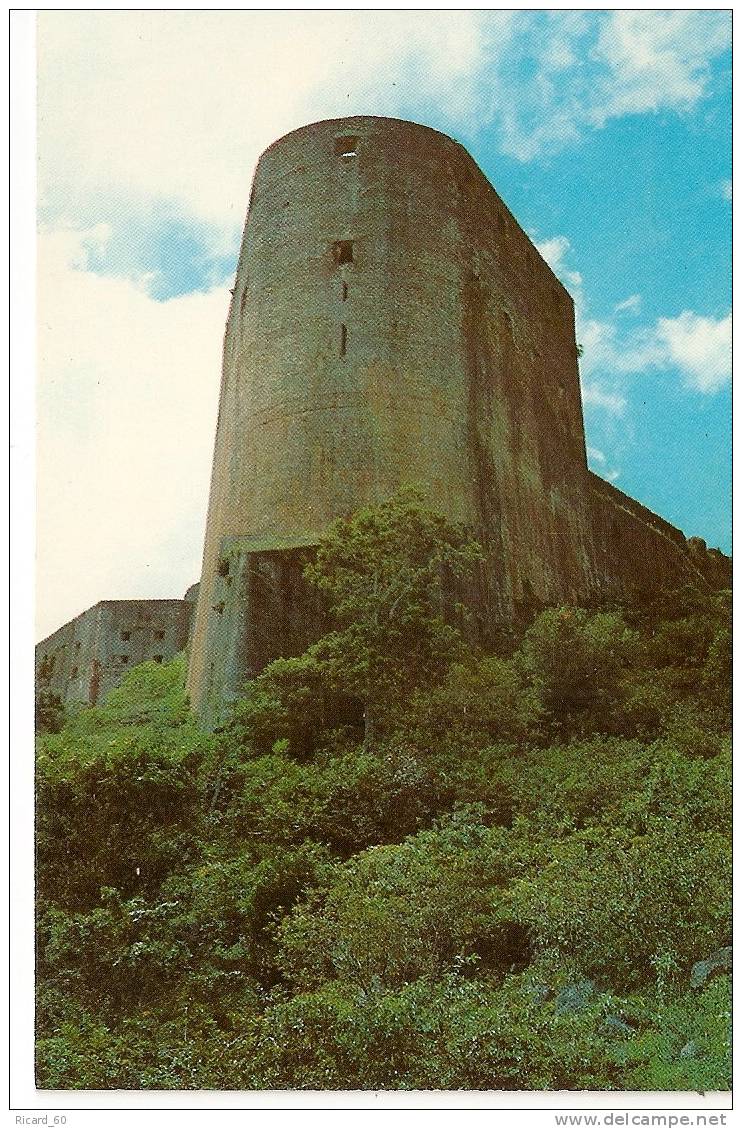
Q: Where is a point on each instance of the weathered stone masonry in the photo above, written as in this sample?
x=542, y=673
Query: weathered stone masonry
x=391, y=323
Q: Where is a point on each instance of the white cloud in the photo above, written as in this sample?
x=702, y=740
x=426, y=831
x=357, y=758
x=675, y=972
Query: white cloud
x=701, y=347
x=177, y=105
x=587, y=68
x=597, y=397
x=726, y=189
x=610, y=348
x=698, y=347
x=657, y=59
x=631, y=305
x=598, y=457
x=126, y=414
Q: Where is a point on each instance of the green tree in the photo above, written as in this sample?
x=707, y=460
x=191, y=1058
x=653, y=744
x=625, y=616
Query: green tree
x=49, y=710
x=117, y=790
x=575, y=661
x=49, y=707
x=390, y=574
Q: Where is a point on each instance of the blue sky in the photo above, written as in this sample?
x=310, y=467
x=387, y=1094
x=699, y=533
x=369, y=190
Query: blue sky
x=608, y=134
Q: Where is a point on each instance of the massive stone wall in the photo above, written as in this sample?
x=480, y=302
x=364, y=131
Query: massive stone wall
x=88, y=656
x=634, y=550
x=391, y=323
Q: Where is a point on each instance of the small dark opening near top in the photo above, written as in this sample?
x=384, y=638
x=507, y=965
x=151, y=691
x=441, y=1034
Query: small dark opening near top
x=126, y=635
x=345, y=290
x=223, y=568
x=343, y=251
x=159, y=634
x=343, y=340
x=346, y=147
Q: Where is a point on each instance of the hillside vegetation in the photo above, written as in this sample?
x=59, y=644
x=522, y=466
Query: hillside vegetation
x=401, y=864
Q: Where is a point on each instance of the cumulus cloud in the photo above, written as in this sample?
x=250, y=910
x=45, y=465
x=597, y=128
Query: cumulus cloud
x=656, y=59
x=596, y=457
x=587, y=68
x=698, y=347
x=555, y=251
x=125, y=420
x=701, y=347
x=595, y=395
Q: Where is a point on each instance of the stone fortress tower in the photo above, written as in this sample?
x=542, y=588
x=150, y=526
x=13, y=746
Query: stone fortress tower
x=390, y=324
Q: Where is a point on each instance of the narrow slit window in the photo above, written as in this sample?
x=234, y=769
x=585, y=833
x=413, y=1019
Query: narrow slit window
x=343, y=340
x=343, y=250
x=345, y=291
x=346, y=147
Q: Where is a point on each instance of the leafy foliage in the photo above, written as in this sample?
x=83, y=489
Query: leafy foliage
x=387, y=573
x=402, y=864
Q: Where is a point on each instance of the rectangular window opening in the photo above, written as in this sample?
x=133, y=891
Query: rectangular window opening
x=345, y=291
x=126, y=636
x=343, y=251
x=343, y=340
x=158, y=658
x=159, y=634
x=346, y=147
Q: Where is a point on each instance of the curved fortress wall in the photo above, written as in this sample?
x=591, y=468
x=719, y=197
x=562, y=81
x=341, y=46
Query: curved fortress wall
x=391, y=323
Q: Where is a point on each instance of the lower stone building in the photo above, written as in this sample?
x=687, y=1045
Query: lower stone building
x=88, y=656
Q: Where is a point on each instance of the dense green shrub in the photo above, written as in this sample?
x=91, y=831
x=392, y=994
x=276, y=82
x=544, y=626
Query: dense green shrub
x=451, y=1032
x=401, y=864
